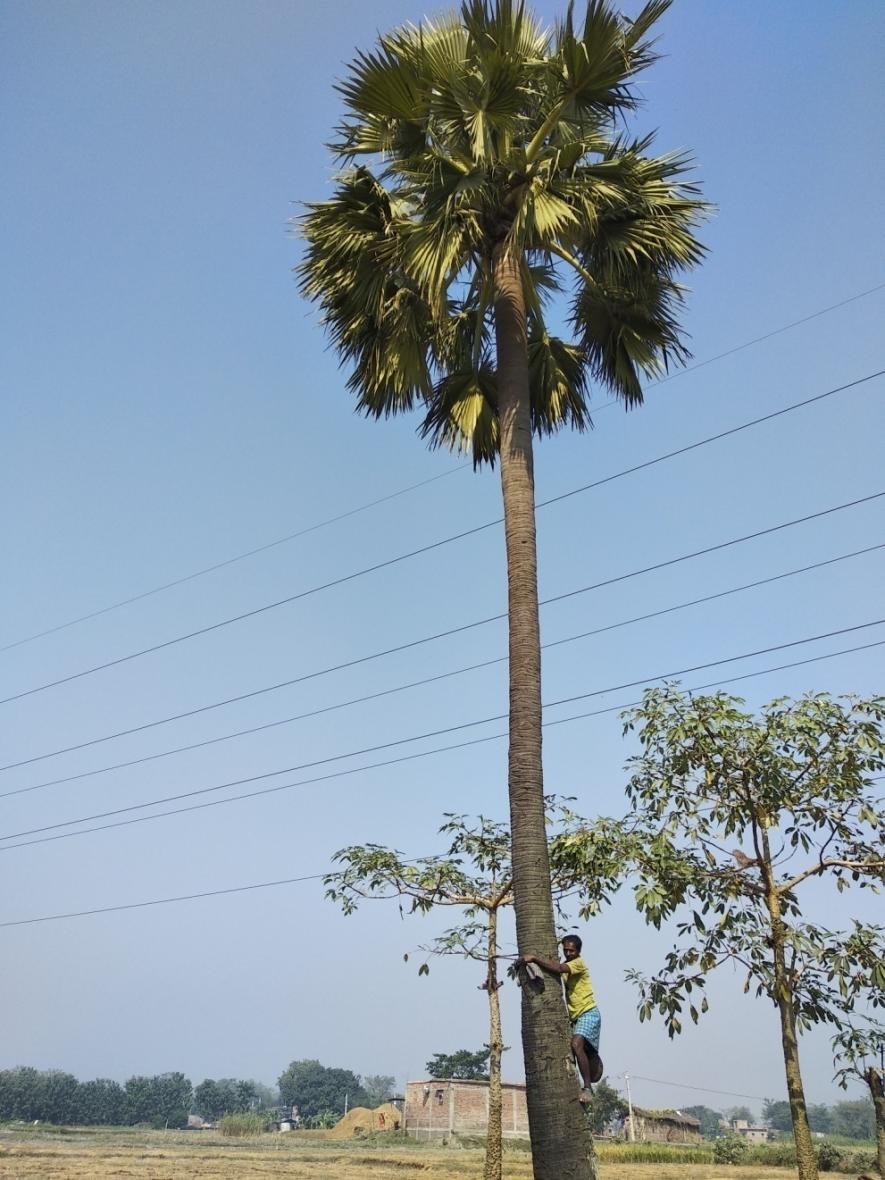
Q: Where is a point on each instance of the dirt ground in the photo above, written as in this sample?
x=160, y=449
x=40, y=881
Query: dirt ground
x=208, y=1156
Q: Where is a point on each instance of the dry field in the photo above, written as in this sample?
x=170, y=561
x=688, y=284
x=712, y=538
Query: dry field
x=158, y=1155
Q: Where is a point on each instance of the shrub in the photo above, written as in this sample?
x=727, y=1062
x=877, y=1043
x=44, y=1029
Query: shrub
x=773, y=1155
x=829, y=1157
x=244, y=1123
x=729, y=1150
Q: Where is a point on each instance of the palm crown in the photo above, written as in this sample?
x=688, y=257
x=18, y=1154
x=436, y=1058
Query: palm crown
x=488, y=133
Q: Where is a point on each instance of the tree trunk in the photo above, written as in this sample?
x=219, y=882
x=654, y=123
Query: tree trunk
x=806, y=1160
x=562, y=1148
x=875, y=1079
x=492, y=1169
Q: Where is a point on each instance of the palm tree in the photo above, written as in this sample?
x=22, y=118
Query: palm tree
x=498, y=179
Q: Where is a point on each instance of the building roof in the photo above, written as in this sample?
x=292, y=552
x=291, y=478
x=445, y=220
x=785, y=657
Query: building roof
x=667, y=1116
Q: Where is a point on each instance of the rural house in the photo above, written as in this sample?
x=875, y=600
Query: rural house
x=441, y=1108
x=663, y=1126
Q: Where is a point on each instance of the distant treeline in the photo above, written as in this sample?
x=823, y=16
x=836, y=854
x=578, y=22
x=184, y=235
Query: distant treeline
x=53, y=1096
x=852, y=1119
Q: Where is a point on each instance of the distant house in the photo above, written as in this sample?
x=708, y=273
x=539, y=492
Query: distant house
x=663, y=1126
x=443, y=1108
x=752, y=1134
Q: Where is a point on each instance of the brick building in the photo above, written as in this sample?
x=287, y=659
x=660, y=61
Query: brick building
x=439, y=1108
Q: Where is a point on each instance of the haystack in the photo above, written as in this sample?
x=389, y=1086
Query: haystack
x=362, y=1121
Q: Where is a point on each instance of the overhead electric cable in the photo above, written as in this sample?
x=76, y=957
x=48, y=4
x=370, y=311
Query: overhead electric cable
x=756, y=340
x=357, y=770
x=200, y=791
x=401, y=492
x=225, y=737
x=438, y=635
x=699, y=1089
x=389, y=562
x=209, y=569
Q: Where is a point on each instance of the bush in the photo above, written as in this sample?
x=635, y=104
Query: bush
x=244, y=1123
x=729, y=1150
x=829, y=1157
x=773, y=1155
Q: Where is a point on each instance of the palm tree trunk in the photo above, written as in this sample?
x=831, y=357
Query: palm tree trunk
x=806, y=1160
x=562, y=1148
x=875, y=1079
x=492, y=1170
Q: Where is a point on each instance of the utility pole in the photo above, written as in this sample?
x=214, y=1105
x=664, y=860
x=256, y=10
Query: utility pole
x=631, y=1133
x=345, y=1103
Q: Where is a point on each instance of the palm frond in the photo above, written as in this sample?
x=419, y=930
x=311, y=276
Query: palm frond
x=557, y=381
x=485, y=131
x=630, y=331
x=463, y=414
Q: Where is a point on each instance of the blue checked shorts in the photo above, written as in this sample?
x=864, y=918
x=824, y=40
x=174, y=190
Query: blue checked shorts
x=588, y=1026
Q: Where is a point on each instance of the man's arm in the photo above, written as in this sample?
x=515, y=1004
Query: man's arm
x=550, y=965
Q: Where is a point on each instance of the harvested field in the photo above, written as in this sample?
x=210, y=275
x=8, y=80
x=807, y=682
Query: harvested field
x=84, y=1154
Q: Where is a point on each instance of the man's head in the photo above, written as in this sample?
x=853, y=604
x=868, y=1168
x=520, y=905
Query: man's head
x=571, y=947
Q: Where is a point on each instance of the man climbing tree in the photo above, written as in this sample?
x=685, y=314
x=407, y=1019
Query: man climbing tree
x=583, y=1013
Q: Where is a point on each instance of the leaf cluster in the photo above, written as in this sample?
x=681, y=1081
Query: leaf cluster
x=480, y=135
x=730, y=816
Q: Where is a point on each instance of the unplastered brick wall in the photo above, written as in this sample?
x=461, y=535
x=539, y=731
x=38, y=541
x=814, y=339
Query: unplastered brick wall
x=436, y=1108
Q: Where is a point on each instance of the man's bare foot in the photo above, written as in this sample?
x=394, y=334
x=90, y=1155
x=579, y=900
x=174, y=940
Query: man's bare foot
x=585, y=1096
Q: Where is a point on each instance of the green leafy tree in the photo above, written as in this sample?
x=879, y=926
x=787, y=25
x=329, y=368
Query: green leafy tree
x=378, y=1088
x=162, y=1100
x=212, y=1099
x=101, y=1102
x=820, y=1118
x=607, y=1107
x=708, y=1118
x=777, y=1115
x=315, y=1088
x=485, y=170
x=47, y=1095
x=796, y=782
x=859, y=1053
x=475, y=876
x=855, y=1119
x=471, y=1067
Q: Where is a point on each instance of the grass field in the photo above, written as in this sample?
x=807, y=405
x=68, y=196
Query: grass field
x=87, y=1154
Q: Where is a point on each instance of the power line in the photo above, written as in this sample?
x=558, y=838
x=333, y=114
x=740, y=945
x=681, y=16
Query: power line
x=201, y=791
x=388, y=563
x=140, y=905
x=756, y=340
x=401, y=492
x=436, y=678
x=698, y=1089
x=209, y=569
x=438, y=635
x=319, y=876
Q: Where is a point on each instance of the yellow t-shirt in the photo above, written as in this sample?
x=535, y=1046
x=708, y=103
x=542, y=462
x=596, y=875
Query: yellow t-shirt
x=578, y=988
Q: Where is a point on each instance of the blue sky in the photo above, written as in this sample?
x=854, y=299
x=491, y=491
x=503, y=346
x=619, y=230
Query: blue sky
x=169, y=402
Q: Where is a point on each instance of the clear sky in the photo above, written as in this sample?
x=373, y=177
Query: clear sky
x=168, y=403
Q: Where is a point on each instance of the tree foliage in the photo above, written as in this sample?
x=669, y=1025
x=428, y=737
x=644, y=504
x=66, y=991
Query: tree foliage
x=477, y=132
x=708, y=1118
x=161, y=1100
x=463, y=1064
x=213, y=1099
x=731, y=816
x=607, y=1107
x=314, y=1088
x=53, y=1096
x=378, y=1088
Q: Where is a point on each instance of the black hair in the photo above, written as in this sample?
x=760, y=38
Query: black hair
x=573, y=938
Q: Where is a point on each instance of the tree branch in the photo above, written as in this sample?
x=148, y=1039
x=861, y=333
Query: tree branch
x=856, y=866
